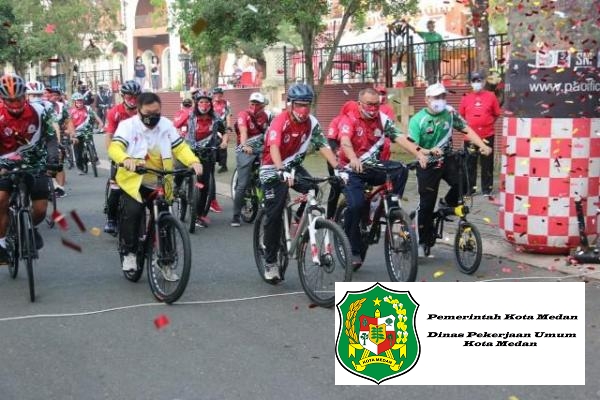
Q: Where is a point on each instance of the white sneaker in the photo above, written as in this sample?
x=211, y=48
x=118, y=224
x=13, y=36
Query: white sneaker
x=422, y=253
x=129, y=262
x=271, y=272
x=169, y=274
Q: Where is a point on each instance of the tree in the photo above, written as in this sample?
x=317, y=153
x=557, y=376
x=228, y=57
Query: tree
x=306, y=17
x=211, y=28
x=39, y=30
x=364, y=337
x=481, y=34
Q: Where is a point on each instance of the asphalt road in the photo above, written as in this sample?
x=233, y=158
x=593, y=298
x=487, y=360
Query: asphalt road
x=231, y=336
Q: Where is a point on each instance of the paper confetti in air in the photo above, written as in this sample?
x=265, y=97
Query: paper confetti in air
x=71, y=245
x=161, y=321
x=58, y=218
x=77, y=220
x=95, y=231
x=252, y=8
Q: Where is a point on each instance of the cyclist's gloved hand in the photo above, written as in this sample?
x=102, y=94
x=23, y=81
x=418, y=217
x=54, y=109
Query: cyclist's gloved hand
x=341, y=174
x=286, y=176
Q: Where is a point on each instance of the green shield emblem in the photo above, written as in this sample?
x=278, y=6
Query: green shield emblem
x=377, y=339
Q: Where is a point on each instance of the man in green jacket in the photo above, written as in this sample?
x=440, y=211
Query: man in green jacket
x=433, y=44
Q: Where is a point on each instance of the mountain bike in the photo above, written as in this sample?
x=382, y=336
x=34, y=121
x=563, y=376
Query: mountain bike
x=88, y=153
x=20, y=237
x=164, y=244
x=400, y=241
x=66, y=147
x=253, y=196
x=320, y=246
x=189, y=195
x=468, y=248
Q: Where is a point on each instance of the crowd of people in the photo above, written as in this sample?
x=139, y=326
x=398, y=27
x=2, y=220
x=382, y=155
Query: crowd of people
x=137, y=133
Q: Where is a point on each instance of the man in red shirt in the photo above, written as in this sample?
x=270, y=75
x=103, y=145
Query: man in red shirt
x=363, y=134
x=222, y=109
x=181, y=116
x=480, y=109
x=130, y=90
x=250, y=128
x=286, y=143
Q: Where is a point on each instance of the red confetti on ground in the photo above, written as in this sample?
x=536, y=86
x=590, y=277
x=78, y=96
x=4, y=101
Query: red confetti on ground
x=77, y=220
x=71, y=245
x=312, y=305
x=58, y=218
x=506, y=270
x=161, y=321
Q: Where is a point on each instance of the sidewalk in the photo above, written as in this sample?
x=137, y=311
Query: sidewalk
x=484, y=214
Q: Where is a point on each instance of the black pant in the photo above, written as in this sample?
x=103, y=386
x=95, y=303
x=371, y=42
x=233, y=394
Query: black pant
x=276, y=194
x=487, y=168
x=432, y=71
x=208, y=180
x=131, y=212
x=112, y=203
x=429, y=183
x=245, y=165
x=335, y=188
x=222, y=157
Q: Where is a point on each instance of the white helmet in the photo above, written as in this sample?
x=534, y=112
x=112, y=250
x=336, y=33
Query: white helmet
x=258, y=97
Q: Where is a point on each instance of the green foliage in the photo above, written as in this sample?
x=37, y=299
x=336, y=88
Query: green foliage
x=40, y=32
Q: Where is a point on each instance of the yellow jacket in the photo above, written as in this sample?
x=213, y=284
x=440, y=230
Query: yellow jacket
x=156, y=147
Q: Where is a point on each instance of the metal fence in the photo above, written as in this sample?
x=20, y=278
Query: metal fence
x=111, y=77
x=397, y=58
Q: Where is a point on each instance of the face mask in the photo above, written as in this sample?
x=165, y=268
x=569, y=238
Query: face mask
x=477, y=86
x=204, y=108
x=370, y=112
x=301, y=114
x=438, y=105
x=150, y=120
x=254, y=108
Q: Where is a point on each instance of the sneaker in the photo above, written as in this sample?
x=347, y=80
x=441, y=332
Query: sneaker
x=203, y=222
x=110, y=227
x=59, y=192
x=39, y=242
x=272, y=272
x=356, y=261
x=4, y=256
x=236, y=221
x=222, y=169
x=81, y=172
x=169, y=274
x=129, y=262
x=215, y=206
x=422, y=252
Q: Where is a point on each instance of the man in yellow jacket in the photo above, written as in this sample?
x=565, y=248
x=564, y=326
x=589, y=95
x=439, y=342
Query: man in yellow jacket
x=151, y=140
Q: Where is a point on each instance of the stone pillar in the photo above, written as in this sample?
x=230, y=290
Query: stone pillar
x=273, y=82
x=551, y=134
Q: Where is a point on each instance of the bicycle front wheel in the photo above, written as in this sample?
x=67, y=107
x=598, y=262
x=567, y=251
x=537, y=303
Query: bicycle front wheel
x=93, y=158
x=259, y=247
x=233, y=184
x=27, y=249
x=401, y=249
x=169, y=260
x=12, y=245
x=193, y=198
x=467, y=247
x=323, y=263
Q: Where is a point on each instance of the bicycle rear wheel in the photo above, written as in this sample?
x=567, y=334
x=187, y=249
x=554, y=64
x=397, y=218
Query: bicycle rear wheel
x=93, y=158
x=250, y=204
x=27, y=250
x=12, y=245
x=85, y=158
x=169, y=260
x=193, y=198
x=401, y=249
x=258, y=246
x=340, y=213
x=233, y=184
x=333, y=250
x=468, y=247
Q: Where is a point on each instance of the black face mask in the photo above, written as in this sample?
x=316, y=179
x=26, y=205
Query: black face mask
x=150, y=120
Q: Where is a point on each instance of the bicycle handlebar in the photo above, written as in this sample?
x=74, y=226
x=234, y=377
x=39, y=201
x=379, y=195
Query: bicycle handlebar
x=140, y=169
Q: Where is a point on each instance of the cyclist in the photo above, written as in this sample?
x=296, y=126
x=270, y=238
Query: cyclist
x=251, y=123
x=386, y=109
x=127, y=109
x=431, y=129
x=286, y=143
x=181, y=116
x=23, y=123
x=104, y=100
x=83, y=118
x=62, y=118
x=362, y=136
x=203, y=123
x=222, y=109
x=146, y=139
x=35, y=94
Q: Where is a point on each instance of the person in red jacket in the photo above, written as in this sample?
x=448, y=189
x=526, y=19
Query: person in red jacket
x=182, y=115
x=480, y=109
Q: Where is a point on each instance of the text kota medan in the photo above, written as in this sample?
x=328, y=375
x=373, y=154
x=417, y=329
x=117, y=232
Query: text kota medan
x=506, y=317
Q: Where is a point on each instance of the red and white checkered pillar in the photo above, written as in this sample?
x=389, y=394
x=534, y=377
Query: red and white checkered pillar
x=546, y=163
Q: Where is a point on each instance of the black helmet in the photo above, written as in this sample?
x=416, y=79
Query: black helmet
x=202, y=94
x=217, y=90
x=55, y=89
x=187, y=102
x=131, y=87
x=300, y=92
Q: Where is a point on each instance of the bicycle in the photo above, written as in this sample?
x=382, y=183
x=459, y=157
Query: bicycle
x=467, y=240
x=325, y=242
x=253, y=196
x=400, y=242
x=66, y=146
x=20, y=236
x=189, y=198
x=160, y=236
x=88, y=153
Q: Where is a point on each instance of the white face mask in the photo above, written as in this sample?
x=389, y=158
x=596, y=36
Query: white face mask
x=437, y=105
x=477, y=86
